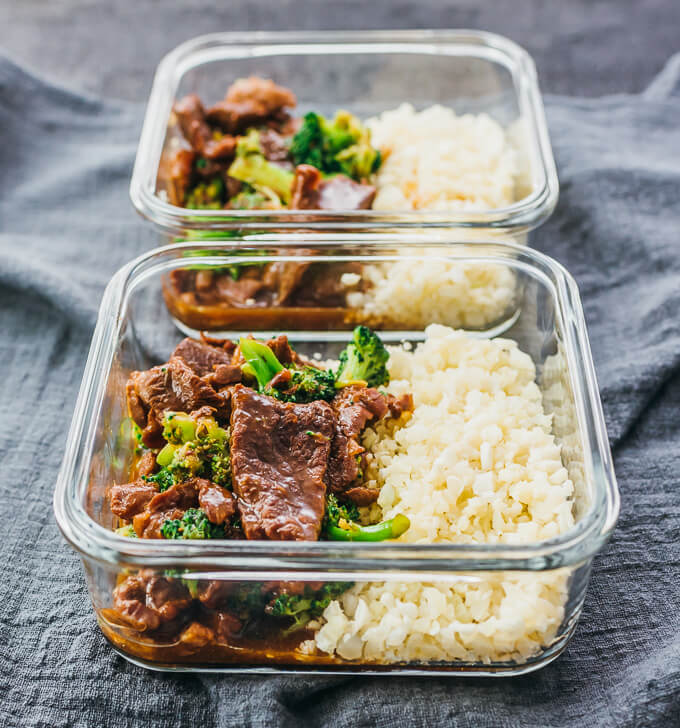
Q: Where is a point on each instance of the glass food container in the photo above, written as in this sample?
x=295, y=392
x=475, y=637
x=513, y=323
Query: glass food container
x=366, y=73
x=530, y=594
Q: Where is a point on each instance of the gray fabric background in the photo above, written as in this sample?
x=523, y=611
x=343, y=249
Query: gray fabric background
x=66, y=224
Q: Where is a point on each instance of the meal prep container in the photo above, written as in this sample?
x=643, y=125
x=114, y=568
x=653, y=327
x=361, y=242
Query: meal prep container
x=366, y=73
x=135, y=331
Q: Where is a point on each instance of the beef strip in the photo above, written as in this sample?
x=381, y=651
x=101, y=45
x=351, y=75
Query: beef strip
x=192, y=121
x=249, y=101
x=129, y=499
x=284, y=277
x=200, y=356
x=217, y=502
x=354, y=406
x=274, y=147
x=342, y=193
x=278, y=468
x=196, y=635
x=305, y=192
x=224, y=375
x=191, y=118
x=239, y=292
x=227, y=344
x=311, y=192
x=172, y=386
x=179, y=175
x=168, y=505
x=145, y=601
x=361, y=496
x=147, y=464
x=223, y=148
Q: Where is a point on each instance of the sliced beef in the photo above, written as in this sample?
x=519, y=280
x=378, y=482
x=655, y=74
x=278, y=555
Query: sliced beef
x=146, y=600
x=196, y=635
x=179, y=175
x=342, y=193
x=222, y=148
x=361, y=496
x=200, y=356
x=147, y=464
x=305, y=192
x=278, y=468
x=227, y=344
x=129, y=499
x=311, y=192
x=172, y=386
x=399, y=405
x=250, y=101
x=217, y=502
x=215, y=593
x=239, y=292
x=168, y=505
x=282, y=349
x=284, y=277
x=274, y=146
x=355, y=406
x=224, y=375
x=191, y=118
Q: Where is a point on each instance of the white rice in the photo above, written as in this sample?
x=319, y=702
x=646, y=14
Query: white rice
x=476, y=463
x=436, y=160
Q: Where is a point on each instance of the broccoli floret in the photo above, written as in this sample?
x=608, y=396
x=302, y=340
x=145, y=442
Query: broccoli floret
x=363, y=360
x=307, y=384
x=342, y=145
x=195, y=447
x=251, y=166
x=301, y=608
x=163, y=479
x=340, y=524
x=337, y=512
x=127, y=531
x=206, y=195
x=193, y=524
x=248, y=601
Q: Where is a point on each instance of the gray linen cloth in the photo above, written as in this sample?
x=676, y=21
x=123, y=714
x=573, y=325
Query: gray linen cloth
x=66, y=225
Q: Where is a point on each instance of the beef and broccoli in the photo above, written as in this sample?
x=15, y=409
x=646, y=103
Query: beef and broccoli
x=248, y=440
x=248, y=152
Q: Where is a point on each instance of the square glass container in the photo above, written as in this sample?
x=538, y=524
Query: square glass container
x=541, y=584
x=365, y=72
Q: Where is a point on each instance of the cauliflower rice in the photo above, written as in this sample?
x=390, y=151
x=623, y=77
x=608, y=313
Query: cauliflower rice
x=436, y=160
x=476, y=463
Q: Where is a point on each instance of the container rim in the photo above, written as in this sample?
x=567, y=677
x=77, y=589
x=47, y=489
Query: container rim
x=523, y=215
x=577, y=544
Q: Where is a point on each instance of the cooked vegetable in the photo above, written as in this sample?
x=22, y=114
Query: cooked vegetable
x=195, y=447
x=363, y=361
x=194, y=524
x=252, y=167
x=342, y=145
x=301, y=608
x=340, y=524
x=163, y=479
x=306, y=384
x=206, y=195
x=127, y=531
x=261, y=360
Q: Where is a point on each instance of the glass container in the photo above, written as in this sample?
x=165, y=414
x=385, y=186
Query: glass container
x=365, y=72
x=508, y=608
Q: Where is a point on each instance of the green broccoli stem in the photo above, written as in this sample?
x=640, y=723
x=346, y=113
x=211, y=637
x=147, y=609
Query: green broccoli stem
x=261, y=359
x=393, y=528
